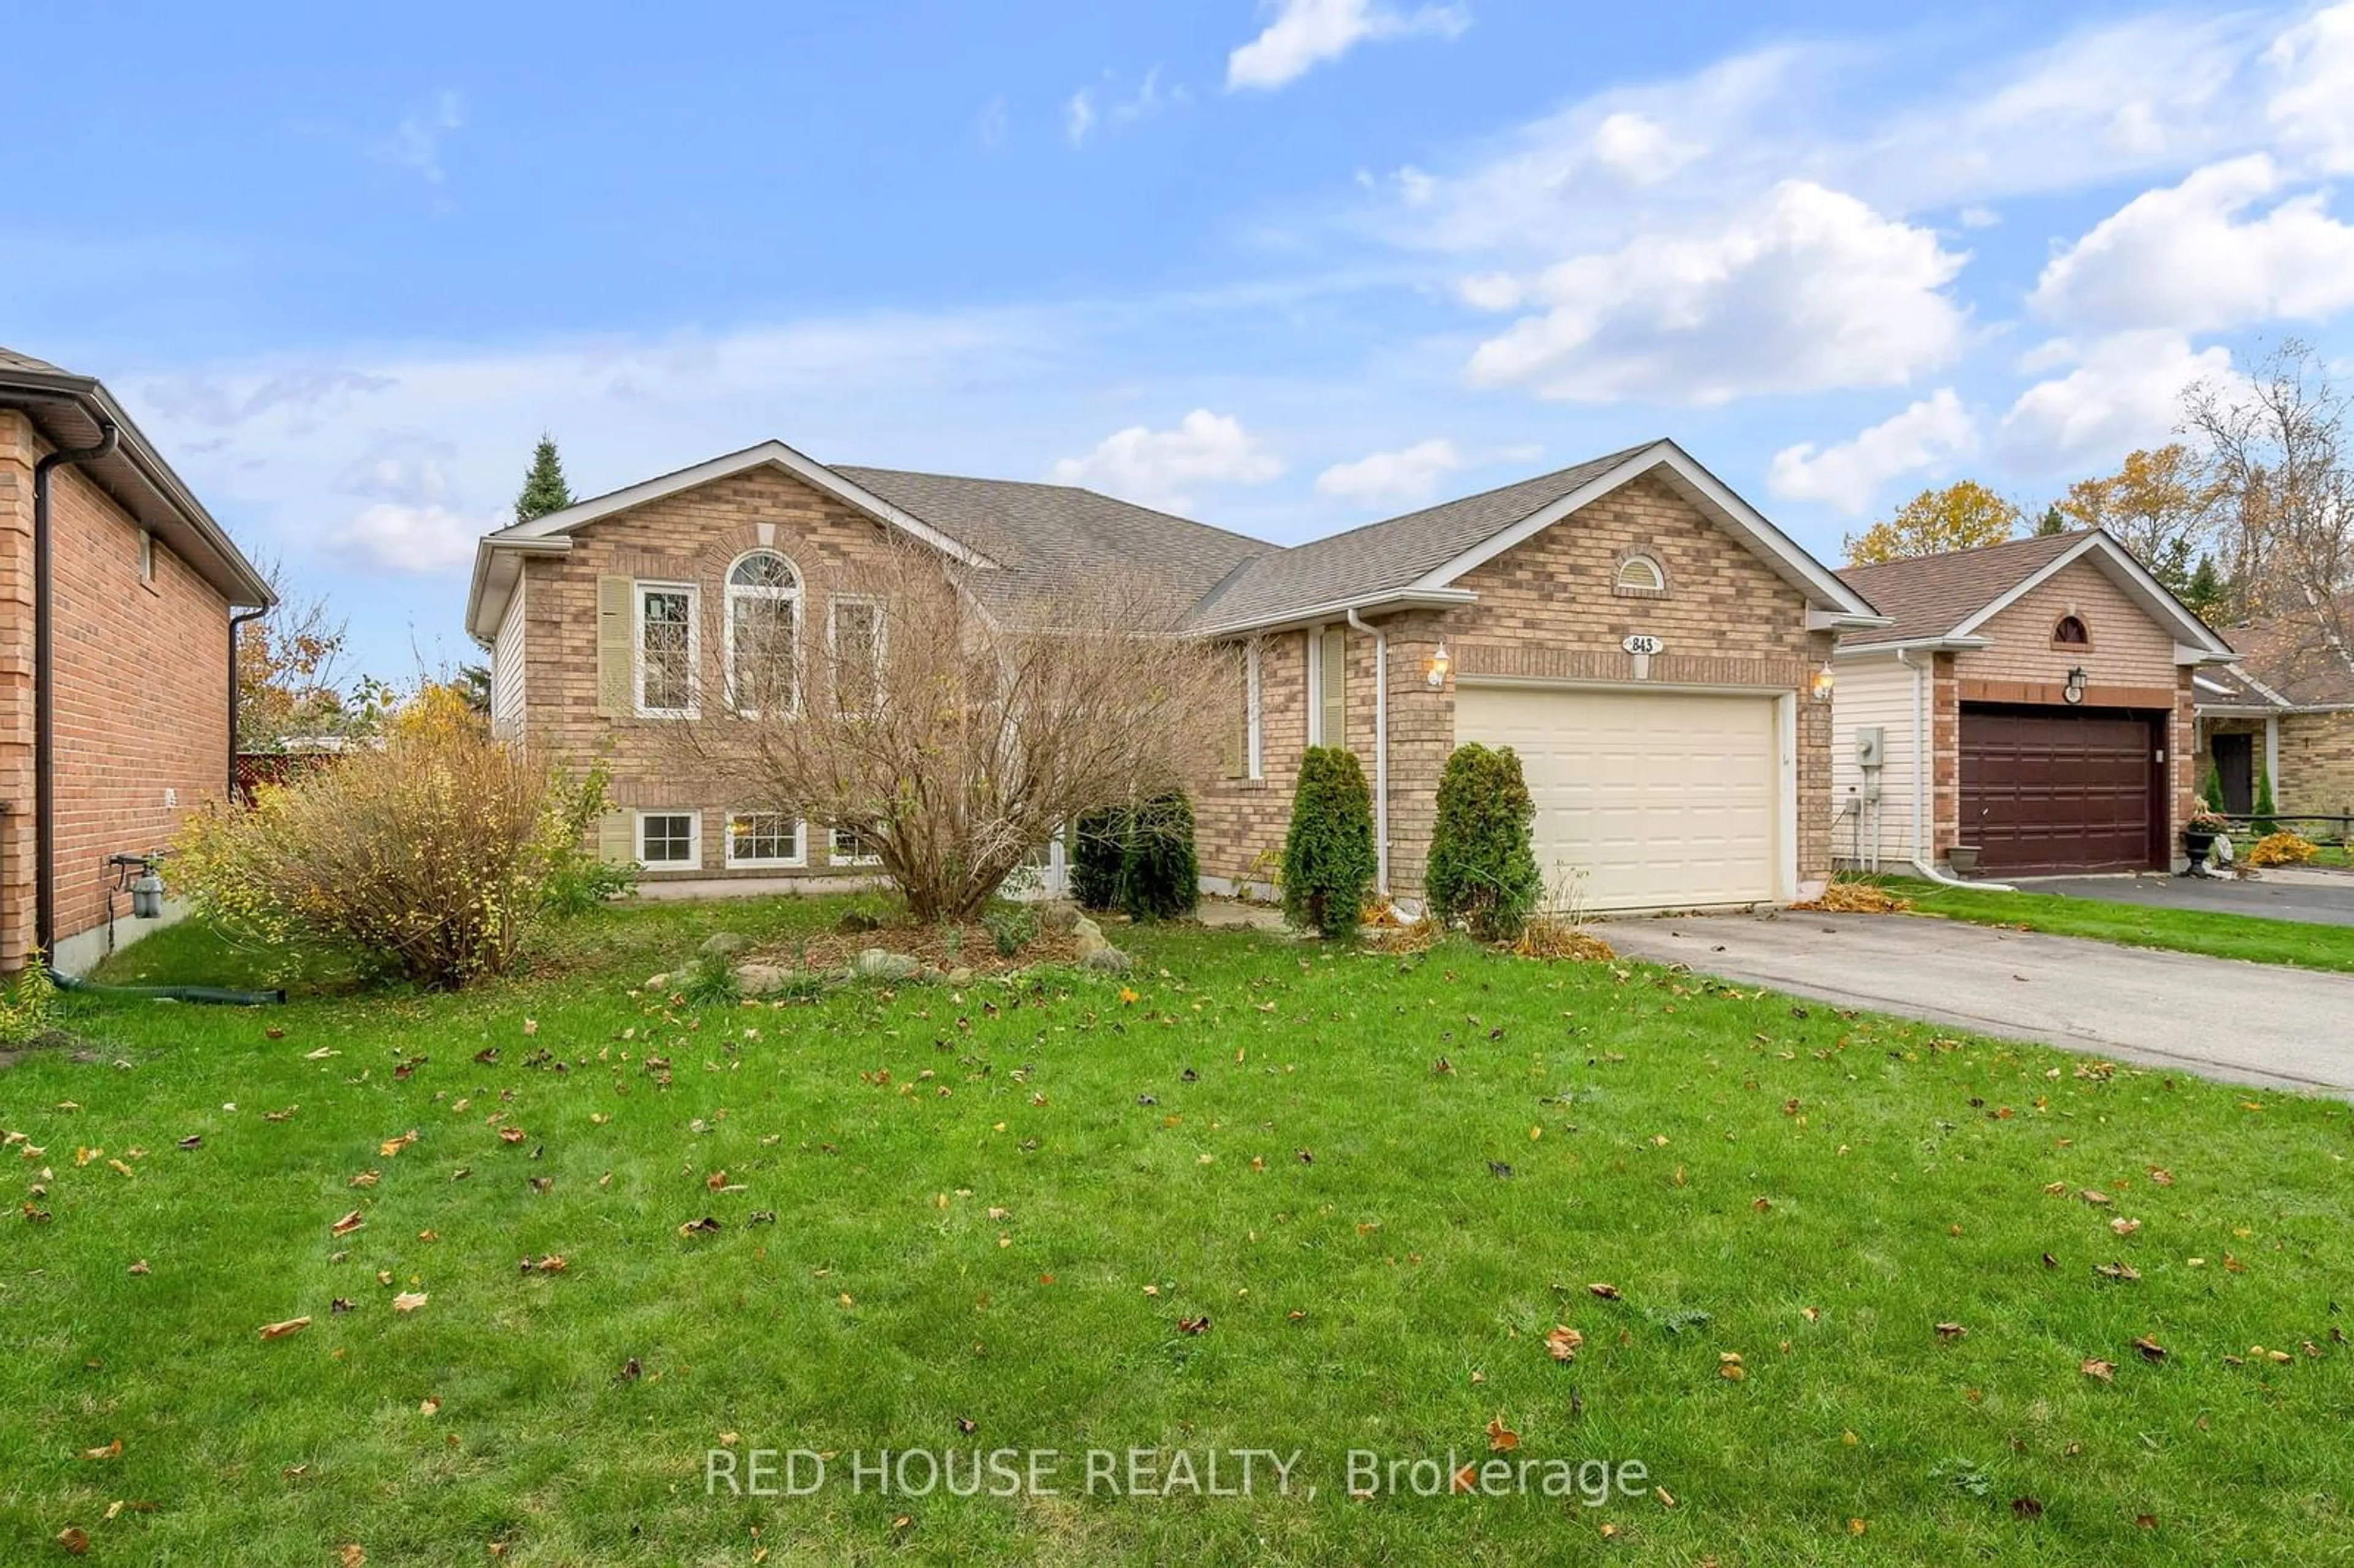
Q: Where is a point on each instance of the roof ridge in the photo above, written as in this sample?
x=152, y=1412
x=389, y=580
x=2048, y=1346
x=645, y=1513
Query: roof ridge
x=1065, y=489
x=1479, y=495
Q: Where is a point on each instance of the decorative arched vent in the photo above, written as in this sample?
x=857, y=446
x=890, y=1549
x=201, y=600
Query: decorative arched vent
x=1641, y=575
x=2071, y=634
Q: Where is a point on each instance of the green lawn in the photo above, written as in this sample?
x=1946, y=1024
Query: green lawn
x=2298, y=943
x=1004, y=1207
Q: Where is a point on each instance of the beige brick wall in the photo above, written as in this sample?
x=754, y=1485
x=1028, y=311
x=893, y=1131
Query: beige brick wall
x=691, y=536
x=141, y=688
x=1546, y=608
x=2316, y=765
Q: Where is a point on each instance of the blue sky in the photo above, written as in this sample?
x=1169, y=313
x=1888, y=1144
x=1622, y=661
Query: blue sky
x=1284, y=267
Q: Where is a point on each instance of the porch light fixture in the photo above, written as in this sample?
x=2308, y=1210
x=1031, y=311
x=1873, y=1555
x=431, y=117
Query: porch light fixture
x=1820, y=687
x=2074, y=691
x=1434, y=668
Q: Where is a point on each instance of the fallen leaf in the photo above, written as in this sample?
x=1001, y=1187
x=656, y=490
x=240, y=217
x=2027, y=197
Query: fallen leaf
x=2162, y=1175
x=280, y=1330
x=1200, y=1325
x=429, y=1404
x=194, y=1141
x=1729, y=1367
x=703, y=1227
x=320, y=1055
x=111, y=1451
x=365, y=1178
x=75, y=1540
x=1563, y=1344
x=391, y=1147
x=1951, y=1331
x=140, y=1267
x=2097, y=1200
x=350, y=1555
x=409, y=1301
x=348, y=1223
x=2123, y=1272
x=1606, y=1292
x=2026, y=1508
x=2124, y=1226
x=1502, y=1439
x=2094, y=1367
x=2151, y=1351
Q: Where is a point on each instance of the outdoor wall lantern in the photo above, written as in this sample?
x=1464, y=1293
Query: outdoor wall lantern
x=1434, y=668
x=1822, y=683
x=2074, y=690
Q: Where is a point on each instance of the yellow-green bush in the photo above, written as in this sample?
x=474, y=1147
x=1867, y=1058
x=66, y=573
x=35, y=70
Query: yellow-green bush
x=2283, y=848
x=425, y=857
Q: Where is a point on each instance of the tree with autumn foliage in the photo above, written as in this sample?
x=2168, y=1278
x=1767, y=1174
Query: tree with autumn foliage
x=2164, y=505
x=288, y=667
x=1963, y=515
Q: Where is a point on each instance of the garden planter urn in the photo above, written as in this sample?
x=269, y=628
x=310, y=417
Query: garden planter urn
x=1964, y=859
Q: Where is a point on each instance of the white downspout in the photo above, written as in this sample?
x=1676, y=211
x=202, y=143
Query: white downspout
x=1381, y=749
x=1924, y=766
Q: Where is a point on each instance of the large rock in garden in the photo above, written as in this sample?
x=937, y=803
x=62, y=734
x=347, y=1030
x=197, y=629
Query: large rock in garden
x=1087, y=933
x=724, y=943
x=882, y=964
x=762, y=979
x=958, y=976
x=1107, y=958
x=1060, y=914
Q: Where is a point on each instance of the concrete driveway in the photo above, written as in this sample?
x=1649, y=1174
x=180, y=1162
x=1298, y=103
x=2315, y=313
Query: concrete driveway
x=2244, y=1023
x=2321, y=897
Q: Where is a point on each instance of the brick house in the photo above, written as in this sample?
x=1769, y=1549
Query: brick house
x=1654, y=647
x=142, y=584
x=2283, y=710
x=2050, y=683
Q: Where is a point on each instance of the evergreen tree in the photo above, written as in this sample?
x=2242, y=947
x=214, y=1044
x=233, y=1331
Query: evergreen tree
x=2262, y=822
x=2213, y=792
x=2205, y=591
x=544, y=490
x=2051, y=522
x=1329, y=861
x=1483, y=867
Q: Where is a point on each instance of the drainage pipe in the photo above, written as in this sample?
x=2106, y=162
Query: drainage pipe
x=1381, y=749
x=1924, y=765
x=45, y=696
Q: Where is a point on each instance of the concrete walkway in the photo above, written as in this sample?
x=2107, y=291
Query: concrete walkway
x=2244, y=1023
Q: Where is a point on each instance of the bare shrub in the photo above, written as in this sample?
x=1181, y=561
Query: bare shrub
x=423, y=857
x=953, y=720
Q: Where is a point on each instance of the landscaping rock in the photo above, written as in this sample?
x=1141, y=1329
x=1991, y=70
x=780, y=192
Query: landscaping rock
x=854, y=921
x=657, y=982
x=1058, y=915
x=959, y=976
x=881, y=963
x=724, y=943
x=1087, y=933
x=762, y=979
x=1106, y=959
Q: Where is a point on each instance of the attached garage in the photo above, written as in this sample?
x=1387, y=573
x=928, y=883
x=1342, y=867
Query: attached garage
x=1663, y=800
x=2060, y=788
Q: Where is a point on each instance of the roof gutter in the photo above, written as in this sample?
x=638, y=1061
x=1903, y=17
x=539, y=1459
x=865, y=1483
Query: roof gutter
x=45, y=696
x=1902, y=645
x=478, y=591
x=1345, y=609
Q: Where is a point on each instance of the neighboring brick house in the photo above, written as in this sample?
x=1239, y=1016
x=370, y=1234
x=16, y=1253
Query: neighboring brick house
x=2285, y=711
x=142, y=583
x=1654, y=647
x=2049, y=681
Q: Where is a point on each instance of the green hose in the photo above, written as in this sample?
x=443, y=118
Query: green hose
x=219, y=996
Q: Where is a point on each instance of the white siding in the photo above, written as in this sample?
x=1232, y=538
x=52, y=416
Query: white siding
x=506, y=671
x=1874, y=689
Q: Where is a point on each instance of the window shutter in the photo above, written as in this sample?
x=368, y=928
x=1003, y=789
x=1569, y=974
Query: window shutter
x=614, y=846
x=1335, y=655
x=616, y=649
x=1236, y=762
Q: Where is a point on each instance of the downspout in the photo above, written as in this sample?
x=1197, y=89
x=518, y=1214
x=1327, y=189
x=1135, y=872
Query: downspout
x=45, y=709
x=236, y=623
x=1924, y=765
x=1381, y=750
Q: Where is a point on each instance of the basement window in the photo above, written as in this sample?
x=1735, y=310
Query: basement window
x=667, y=840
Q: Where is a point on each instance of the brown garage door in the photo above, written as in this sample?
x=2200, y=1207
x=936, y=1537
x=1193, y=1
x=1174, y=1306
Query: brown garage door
x=2062, y=788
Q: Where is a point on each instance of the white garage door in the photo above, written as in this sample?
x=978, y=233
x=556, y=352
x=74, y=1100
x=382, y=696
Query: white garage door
x=1663, y=800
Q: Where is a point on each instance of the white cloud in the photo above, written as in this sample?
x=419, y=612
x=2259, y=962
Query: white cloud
x=2313, y=107
x=1149, y=99
x=1491, y=291
x=413, y=539
x=1157, y=468
x=1931, y=432
x=993, y=126
x=1306, y=33
x=1082, y=115
x=1808, y=290
x=1976, y=216
x=2125, y=391
x=1079, y=116
x=416, y=143
x=2193, y=258
x=1640, y=149
x=1408, y=475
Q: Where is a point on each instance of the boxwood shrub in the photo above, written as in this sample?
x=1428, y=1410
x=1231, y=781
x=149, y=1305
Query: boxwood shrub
x=1483, y=866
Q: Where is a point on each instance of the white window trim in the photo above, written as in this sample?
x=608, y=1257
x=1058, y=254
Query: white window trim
x=736, y=591
x=638, y=592
x=799, y=858
x=694, y=861
x=1257, y=762
x=1315, y=685
x=834, y=858
x=1656, y=574
x=834, y=648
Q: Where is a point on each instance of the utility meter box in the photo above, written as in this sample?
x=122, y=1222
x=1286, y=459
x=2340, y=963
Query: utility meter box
x=1870, y=745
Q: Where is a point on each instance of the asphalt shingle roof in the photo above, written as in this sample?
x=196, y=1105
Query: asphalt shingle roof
x=1929, y=596
x=1388, y=555
x=11, y=360
x=2296, y=659
x=1047, y=532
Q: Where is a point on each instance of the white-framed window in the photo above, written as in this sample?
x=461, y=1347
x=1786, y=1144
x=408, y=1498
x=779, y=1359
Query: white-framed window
x=855, y=645
x=847, y=846
x=669, y=840
x=764, y=634
x=146, y=557
x=668, y=645
x=766, y=839
x=1255, y=763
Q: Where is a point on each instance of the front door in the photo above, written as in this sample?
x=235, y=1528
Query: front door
x=2235, y=765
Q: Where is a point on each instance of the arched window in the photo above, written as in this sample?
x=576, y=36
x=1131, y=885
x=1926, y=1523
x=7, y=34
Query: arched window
x=1640, y=574
x=2071, y=634
x=764, y=627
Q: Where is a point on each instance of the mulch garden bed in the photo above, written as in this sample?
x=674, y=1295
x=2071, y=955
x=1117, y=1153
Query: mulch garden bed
x=941, y=948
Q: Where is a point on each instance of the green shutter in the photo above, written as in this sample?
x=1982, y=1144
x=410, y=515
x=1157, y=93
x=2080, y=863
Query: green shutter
x=614, y=846
x=617, y=638
x=1335, y=653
